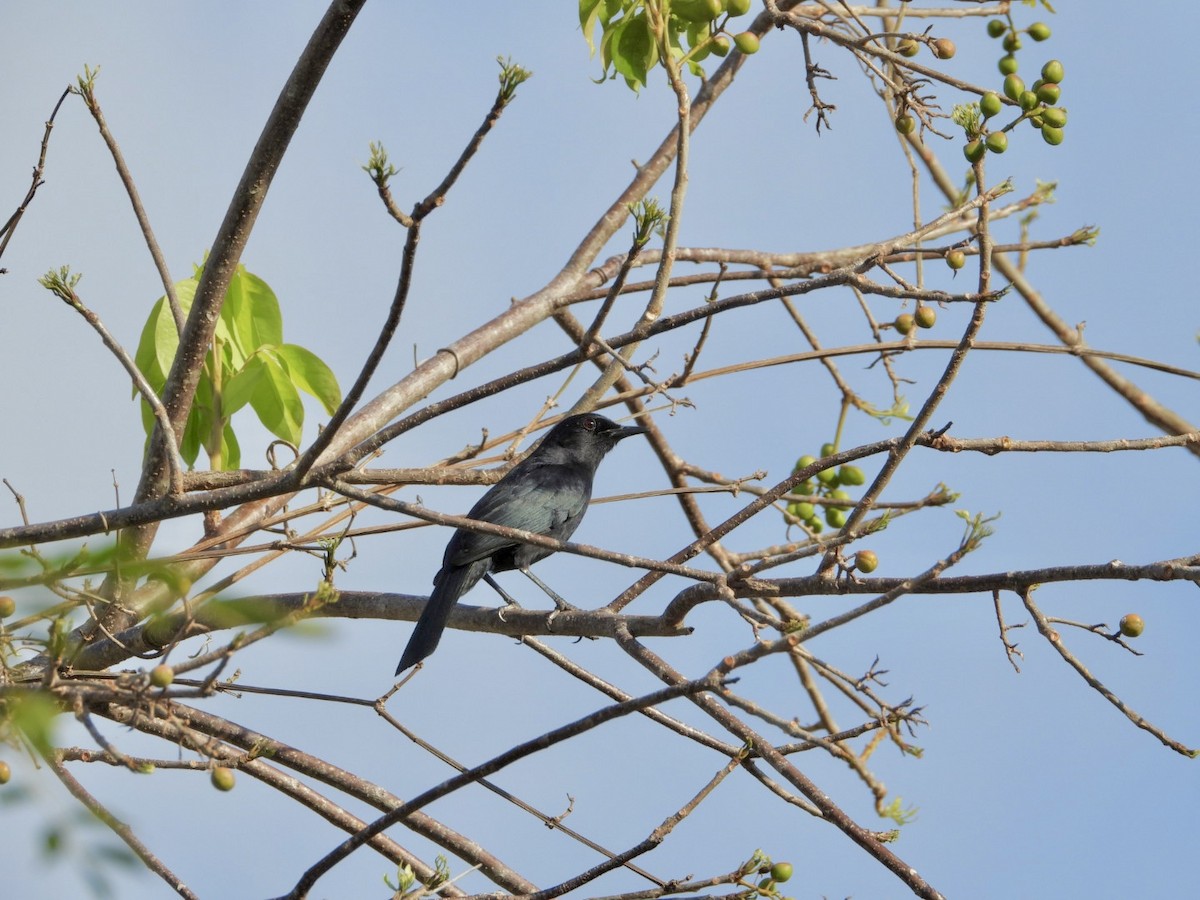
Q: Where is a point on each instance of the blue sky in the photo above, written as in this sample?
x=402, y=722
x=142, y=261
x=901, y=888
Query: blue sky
x=1030, y=784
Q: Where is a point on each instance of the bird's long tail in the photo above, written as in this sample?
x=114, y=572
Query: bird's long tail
x=452, y=582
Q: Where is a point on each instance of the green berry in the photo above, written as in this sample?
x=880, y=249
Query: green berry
x=1008, y=64
x=741, y=7
x=1039, y=31
x=222, y=778
x=798, y=510
x=990, y=104
x=1054, y=116
x=1051, y=135
x=996, y=27
x=866, y=561
x=162, y=676
x=956, y=259
x=828, y=477
x=1028, y=101
x=1132, y=625
x=781, y=871
x=747, y=42
x=1052, y=71
x=8, y=606
x=974, y=151
x=906, y=124
x=1012, y=42
x=1014, y=86
x=904, y=323
x=721, y=45
x=804, y=462
x=1049, y=93
x=835, y=517
x=851, y=475
x=828, y=449
x=5, y=772
x=697, y=10
x=997, y=142
x=926, y=316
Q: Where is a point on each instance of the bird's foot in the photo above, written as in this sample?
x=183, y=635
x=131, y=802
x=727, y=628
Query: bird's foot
x=563, y=606
x=509, y=603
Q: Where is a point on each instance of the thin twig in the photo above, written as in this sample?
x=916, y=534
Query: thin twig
x=87, y=91
x=9, y=228
x=62, y=286
x=123, y=831
x=520, y=751
x=1010, y=649
x=1094, y=683
x=434, y=200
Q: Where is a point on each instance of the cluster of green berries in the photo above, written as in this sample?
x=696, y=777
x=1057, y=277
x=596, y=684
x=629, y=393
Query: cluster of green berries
x=1038, y=103
x=827, y=483
x=925, y=316
x=698, y=16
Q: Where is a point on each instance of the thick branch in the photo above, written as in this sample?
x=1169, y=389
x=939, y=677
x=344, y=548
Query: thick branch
x=243, y=211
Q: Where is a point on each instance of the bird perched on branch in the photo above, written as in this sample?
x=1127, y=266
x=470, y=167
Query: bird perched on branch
x=546, y=493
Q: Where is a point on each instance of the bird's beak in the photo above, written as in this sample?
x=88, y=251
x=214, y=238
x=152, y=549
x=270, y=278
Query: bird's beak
x=628, y=431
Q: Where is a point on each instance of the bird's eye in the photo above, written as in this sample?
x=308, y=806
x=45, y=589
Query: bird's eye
x=589, y=424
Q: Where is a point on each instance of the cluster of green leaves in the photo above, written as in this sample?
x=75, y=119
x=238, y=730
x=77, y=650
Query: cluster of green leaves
x=248, y=364
x=636, y=34
x=406, y=879
x=1036, y=104
x=828, y=483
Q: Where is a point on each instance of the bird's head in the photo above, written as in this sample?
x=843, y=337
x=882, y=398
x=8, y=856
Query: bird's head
x=586, y=437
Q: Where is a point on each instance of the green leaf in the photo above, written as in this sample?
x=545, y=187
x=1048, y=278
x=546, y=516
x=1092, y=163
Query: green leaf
x=253, y=313
x=634, y=50
x=148, y=420
x=231, y=451
x=241, y=387
x=34, y=712
x=606, y=41
x=194, y=433
x=276, y=400
x=117, y=854
x=589, y=14
x=159, y=339
x=146, y=356
x=311, y=375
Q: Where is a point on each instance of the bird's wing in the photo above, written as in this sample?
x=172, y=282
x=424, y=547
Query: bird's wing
x=546, y=500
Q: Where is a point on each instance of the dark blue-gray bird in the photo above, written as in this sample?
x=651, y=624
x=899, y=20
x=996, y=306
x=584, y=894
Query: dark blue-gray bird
x=546, y=493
